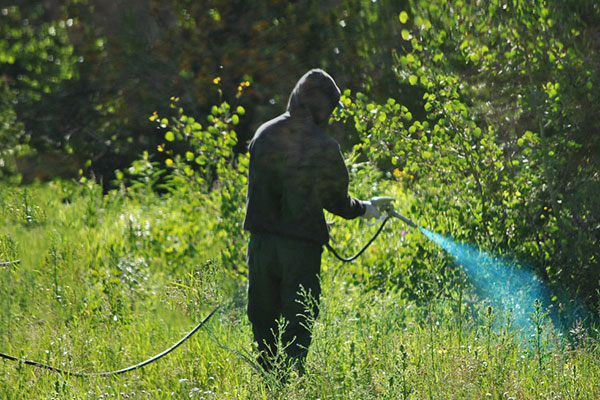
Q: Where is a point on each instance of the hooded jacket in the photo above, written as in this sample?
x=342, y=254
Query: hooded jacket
x=297, y=170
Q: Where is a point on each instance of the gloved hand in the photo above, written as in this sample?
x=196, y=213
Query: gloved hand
x=383, y=203
x=371, y=211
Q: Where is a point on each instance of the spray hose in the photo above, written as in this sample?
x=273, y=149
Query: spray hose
x=385, y=206
x=354, y=257
x=383, y=203
x=116, y=372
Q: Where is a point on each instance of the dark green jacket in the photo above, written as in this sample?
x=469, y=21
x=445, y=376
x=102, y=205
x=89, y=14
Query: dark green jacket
x=296, y=169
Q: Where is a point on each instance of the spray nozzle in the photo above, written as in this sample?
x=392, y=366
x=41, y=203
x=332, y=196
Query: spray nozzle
x=407, y=220
x=385, y=205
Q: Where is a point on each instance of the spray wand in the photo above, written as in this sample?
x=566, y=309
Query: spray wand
x=387, y=208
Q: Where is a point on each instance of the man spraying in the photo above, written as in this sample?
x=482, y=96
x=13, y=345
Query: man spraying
x=296, y=171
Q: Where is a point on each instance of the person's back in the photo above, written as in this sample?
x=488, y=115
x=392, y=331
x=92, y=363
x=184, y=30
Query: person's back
x=296, y=169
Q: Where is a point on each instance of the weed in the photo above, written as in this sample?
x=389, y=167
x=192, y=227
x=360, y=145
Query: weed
x=104, y=295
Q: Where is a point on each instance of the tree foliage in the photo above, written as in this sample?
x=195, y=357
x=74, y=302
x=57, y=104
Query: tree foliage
x=486, y=111
x=36, y=57
x=122, y=60
x=503, y=148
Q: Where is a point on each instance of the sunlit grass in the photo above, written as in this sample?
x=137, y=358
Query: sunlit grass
x=107, y=281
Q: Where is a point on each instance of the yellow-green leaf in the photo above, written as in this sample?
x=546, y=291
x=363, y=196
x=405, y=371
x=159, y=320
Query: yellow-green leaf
x=403, y=17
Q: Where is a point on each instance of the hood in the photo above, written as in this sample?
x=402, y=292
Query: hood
x=315, y=93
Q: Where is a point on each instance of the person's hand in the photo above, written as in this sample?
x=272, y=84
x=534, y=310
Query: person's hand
x=383, y=203
x=371, y=211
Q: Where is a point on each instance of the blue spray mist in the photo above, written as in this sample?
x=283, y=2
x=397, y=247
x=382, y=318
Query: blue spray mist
x=501, y=281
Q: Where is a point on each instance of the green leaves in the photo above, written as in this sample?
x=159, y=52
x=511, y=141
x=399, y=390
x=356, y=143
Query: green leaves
x=487, y=77
x=403, y=17
x=209, y=152
x=36, y=59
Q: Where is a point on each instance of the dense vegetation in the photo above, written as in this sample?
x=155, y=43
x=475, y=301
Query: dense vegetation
x=106, y=281
x=479, y=117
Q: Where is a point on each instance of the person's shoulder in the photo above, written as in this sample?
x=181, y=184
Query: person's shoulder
x=273, y=124
x=269, y=130
x=325, y=140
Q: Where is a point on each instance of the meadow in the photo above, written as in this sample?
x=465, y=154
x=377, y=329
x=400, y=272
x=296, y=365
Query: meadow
x=477, y=117
x=106, y=280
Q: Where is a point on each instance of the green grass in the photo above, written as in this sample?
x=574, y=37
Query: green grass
x=105, y=281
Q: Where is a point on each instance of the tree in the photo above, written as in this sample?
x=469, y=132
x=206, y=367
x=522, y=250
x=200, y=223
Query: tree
x=507, y=146
x=127, y=58
x=36, y=58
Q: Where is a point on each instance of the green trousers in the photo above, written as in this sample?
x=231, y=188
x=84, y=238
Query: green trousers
x=280, y=269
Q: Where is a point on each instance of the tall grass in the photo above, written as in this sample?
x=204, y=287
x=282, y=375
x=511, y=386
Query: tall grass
x=106, y=281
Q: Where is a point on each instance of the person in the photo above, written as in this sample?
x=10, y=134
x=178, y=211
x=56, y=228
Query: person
x=296, y=171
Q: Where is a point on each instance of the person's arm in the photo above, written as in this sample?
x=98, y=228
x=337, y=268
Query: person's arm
x=334, y=185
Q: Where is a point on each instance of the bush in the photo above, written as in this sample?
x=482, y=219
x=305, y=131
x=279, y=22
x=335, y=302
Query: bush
x=498, y=152
x=199, y=162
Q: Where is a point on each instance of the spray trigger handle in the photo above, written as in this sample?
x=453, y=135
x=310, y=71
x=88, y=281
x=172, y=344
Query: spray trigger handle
x=384, y=204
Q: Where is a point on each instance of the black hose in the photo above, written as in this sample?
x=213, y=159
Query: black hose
x=183, y=339
x=9, y=263
x=354, y=257
x=117, y=372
